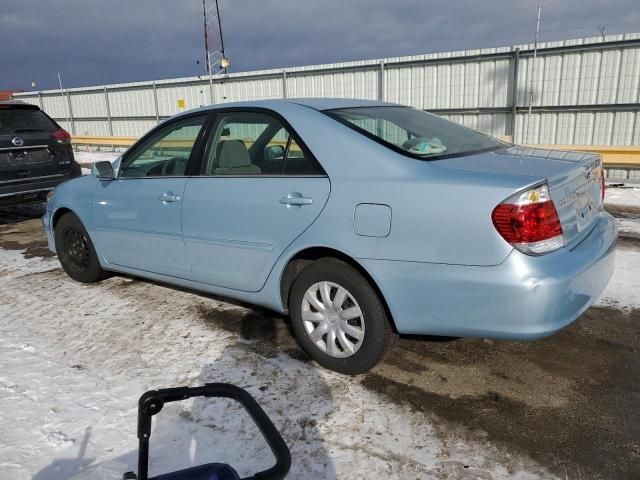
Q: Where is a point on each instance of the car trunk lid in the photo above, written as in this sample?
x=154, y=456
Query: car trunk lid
x=574, y=180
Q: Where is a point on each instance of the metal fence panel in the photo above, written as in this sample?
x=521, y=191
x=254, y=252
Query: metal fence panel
x=55, y=105
x=89, y=104
x=189, y=95
x=132, y=128
x=92, y=128
x=349, y=84
x=585, y=91
x=629, y=85
x=136, y=102
x=258, y=89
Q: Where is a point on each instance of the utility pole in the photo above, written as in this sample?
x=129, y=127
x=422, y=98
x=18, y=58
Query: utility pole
x=533, y=70
x=206, y=50
x=224, y=63
x=215, y=57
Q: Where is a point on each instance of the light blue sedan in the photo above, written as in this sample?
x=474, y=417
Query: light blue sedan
x=361, y=220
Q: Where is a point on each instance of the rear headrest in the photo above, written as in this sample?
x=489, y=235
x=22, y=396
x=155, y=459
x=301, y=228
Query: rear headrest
x=233, y=154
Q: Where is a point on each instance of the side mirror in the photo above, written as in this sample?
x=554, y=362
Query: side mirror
x=273, y=152
x=103, y=170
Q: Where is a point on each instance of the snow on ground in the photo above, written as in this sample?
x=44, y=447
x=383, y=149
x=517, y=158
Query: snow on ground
x=629, y=227
x=623, y=290
x=74, y=358
x=627, y=195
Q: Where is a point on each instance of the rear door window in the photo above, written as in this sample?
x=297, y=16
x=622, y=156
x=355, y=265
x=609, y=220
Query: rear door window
x=21, y=120
x=255, y=144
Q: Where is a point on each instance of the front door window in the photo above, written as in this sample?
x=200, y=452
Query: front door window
x=166, y=153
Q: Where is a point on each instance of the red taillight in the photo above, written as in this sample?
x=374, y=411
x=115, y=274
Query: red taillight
x=61, y=134
x=530, y=222
x=602, y=176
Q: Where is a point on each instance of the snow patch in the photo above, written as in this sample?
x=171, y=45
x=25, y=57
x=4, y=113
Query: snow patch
x=622, y=196
x=623, y=290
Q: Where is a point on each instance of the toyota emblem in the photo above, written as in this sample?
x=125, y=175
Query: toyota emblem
x=17, y=141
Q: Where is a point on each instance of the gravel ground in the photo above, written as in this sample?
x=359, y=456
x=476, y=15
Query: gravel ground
x=74, y=358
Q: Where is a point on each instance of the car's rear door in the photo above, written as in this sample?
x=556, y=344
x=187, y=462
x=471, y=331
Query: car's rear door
x=32, y=148
x=137, y=216
x=258, y=190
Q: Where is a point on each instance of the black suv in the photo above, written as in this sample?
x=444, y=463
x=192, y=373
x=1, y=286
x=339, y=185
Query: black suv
x=35, y=154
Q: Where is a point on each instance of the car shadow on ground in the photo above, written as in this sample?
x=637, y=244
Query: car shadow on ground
x=21, y=229
x=219, y=430
x=20, y=213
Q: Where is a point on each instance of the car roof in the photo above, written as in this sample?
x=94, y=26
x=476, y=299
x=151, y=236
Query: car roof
x=332, y=103
x=315, y=103
x=17, y=104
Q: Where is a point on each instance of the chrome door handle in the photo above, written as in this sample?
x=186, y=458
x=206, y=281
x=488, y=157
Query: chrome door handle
x=297, y=199
x=169, y=197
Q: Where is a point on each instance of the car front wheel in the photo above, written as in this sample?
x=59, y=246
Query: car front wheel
x=338, y=317
x=75, y=250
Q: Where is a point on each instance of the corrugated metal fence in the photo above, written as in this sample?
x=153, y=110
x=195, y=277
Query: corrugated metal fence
x=585, y=91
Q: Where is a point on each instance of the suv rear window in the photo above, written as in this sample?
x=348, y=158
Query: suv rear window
x=17, y=120
x=414, y=132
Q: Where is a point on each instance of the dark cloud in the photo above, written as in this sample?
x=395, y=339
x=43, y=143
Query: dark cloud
x=107, y=41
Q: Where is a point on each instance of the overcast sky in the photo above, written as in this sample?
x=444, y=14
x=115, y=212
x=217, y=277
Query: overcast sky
x=93, y=42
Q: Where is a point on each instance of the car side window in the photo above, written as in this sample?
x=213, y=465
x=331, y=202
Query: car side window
x=253, y=144
x=297, y=163
x=165, y=153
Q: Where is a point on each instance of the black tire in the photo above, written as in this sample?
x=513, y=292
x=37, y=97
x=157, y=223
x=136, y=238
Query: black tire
x=75, y=250
x=378, y=334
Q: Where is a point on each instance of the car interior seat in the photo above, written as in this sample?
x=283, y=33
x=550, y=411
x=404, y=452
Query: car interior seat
x=234, y=159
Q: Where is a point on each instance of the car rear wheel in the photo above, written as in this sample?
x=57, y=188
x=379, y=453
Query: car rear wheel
x=338, y=317
x=75, y=250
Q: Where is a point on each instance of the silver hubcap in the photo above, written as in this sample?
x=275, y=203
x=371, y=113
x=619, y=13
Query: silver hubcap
x=333, y=319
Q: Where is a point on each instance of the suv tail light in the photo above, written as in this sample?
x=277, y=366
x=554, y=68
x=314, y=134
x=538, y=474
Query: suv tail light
x=61, y=135
x=529, y=221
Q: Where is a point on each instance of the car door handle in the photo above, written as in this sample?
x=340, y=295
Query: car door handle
x=168, y=197
x=296, y=198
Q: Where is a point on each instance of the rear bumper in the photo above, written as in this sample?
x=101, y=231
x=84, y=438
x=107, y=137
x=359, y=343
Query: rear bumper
x=32, y=190
x=525, y=297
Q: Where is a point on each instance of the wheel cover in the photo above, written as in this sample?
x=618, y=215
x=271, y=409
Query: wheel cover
x=333, y=319
x=76, y=248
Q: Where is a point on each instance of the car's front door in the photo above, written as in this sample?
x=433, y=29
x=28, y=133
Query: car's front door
x=137, y=216
x=259, y=188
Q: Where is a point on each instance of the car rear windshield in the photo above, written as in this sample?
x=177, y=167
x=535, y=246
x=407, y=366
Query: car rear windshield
x=21, y=120
x=415, y=132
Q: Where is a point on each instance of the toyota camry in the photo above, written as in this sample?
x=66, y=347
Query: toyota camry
x=361, y=220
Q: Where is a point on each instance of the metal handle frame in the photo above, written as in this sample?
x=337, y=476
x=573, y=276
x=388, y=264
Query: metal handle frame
x=168, y=198
x=296, y=199
x=153, y=401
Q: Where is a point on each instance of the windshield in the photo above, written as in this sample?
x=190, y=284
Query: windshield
x=415, y=132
